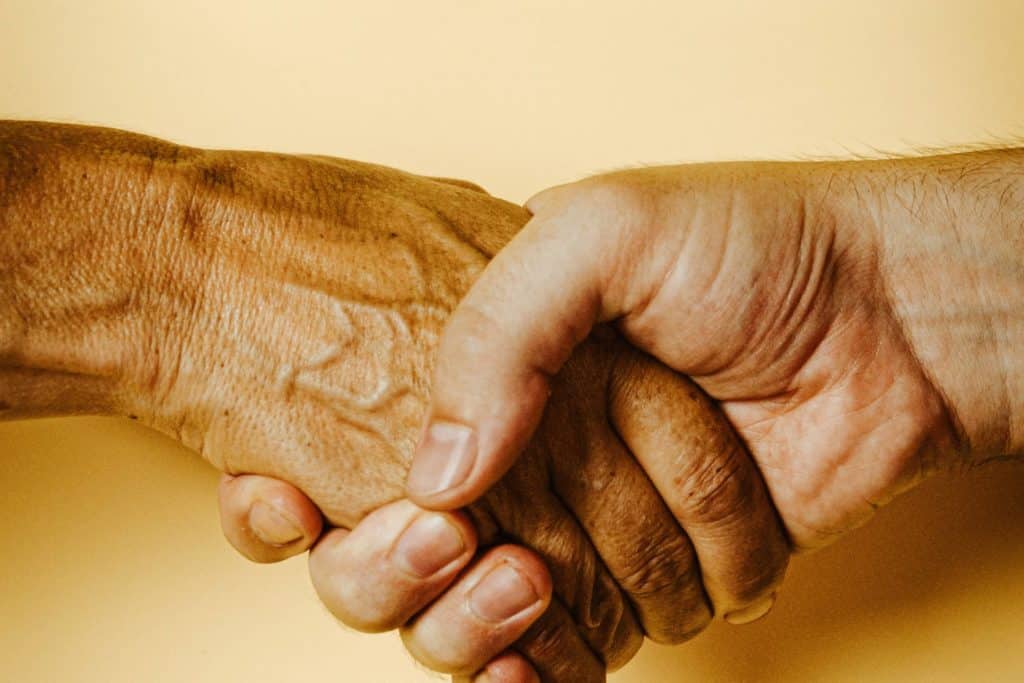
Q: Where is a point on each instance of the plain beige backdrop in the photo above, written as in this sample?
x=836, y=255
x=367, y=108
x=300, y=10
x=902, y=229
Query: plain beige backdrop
x=114, y=567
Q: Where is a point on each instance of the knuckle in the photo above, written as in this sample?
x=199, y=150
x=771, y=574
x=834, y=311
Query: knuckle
x=607, y=622
x=459, y=182
x=598, y=205
x=600, y=612
x=609, y=195
x=667, y=573
x=625, y=642
x=543, y=643
x=715, y=489
x=660, y=567
x=546, y=640
x=551, y=645
x=469, y=331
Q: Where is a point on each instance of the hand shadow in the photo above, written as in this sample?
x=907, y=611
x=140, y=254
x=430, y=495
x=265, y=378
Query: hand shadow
x=931, y=589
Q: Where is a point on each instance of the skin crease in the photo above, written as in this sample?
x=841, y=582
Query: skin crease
x=835, y=446
x=861, y=319
x=278, y=315
x=860, y=322
x=852, y=251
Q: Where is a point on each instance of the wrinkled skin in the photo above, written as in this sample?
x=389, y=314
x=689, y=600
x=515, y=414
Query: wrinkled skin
x=278, y=314
x=859, y=322
x=307, y=356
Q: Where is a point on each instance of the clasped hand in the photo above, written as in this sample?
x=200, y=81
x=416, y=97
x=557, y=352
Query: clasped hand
x=619, y=427
x=324, y=383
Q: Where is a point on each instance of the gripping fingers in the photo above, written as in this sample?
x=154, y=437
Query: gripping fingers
x=265, y=519
x=487, y=610
x=710, y=484
x=558, y=652
x=638, y=539
x=396, y=561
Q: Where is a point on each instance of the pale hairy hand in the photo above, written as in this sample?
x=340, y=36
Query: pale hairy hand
x=860, y=322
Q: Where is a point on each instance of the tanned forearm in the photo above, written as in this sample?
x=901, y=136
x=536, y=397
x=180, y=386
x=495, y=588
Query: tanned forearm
x=81, y=215
x=257, y=307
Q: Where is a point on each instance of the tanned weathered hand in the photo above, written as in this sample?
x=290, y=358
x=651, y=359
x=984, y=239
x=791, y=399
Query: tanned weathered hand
x=278, y=315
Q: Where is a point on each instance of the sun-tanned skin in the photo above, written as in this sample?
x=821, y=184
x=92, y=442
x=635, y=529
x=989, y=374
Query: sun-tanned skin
x=861, y=321
x=278, y=315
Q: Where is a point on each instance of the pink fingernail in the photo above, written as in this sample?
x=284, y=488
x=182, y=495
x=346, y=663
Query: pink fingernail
x=271, y=526
x=502, y=594
x=751, y=612
x=443, y=459
x=429, y=545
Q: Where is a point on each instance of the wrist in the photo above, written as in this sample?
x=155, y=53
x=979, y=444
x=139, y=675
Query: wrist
x=949, y=246
x=82, y=212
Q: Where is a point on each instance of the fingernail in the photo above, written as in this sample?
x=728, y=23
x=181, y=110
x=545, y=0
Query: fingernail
x=429, y=545
x=272, y=526
x=752, y=612
x=503, y=593
x=443, y=459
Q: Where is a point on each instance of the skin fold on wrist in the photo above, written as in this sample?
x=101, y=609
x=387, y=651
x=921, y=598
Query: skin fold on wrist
x=950, y=251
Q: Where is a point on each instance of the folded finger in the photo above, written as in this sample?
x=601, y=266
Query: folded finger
x=710, y=484
x=265, y=519
x=393, y=563
x=557, y=651
x=639, y=540
x=482, y=614
x=602, y=614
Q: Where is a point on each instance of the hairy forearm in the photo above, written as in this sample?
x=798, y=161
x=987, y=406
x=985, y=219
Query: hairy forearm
x=951, y=230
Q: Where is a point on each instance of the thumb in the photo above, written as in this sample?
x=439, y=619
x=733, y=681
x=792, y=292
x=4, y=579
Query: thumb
x=517, y=325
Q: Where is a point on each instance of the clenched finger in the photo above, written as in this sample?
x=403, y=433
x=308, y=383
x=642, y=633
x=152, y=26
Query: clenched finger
x=265, y=519
x=487, y=610
x=709, y=482
x=396, y=561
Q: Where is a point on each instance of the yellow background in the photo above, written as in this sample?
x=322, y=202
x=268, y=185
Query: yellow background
x=114, y=567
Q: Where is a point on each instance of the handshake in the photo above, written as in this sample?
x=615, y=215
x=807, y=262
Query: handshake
x=528, y=438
